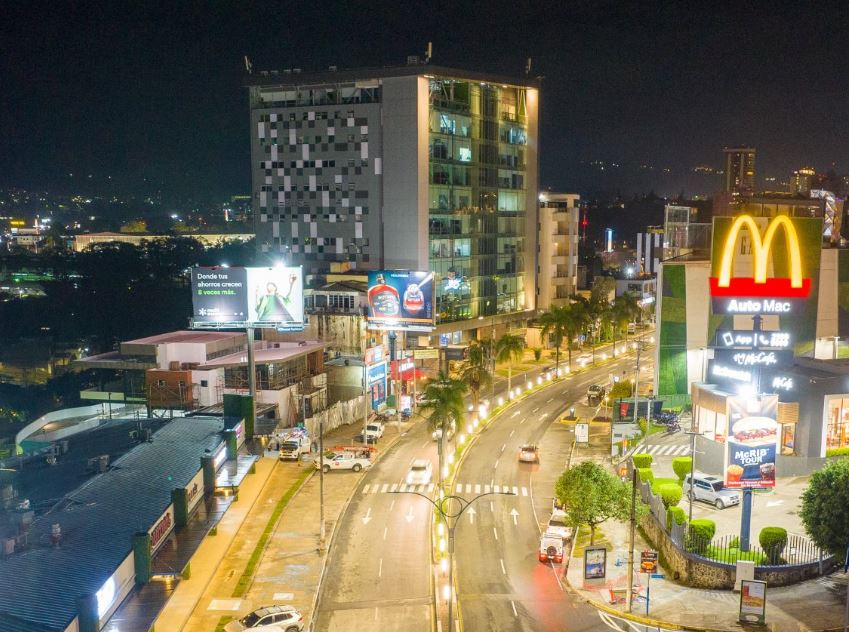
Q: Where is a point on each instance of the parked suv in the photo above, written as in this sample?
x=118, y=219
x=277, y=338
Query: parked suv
x=710, y=489
x=286, y=618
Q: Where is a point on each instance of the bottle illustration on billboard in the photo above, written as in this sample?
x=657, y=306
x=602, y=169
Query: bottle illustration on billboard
x=384, y=299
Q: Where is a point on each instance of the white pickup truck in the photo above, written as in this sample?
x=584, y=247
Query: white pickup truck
x=355, y=458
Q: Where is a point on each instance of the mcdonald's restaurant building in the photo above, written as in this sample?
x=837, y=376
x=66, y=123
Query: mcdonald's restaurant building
x=765, y=314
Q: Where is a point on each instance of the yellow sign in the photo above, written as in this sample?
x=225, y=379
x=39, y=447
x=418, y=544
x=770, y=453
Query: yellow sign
x=759, y=285
x=426, y=354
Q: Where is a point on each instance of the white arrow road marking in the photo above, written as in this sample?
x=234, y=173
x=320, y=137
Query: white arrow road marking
x=367, y=517
x=515, y=515
x=774, y=503
x=543, y=416
x=471, y=513
x=409, y=517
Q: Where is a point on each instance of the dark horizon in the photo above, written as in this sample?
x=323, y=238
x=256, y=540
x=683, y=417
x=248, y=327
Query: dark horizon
x=153, y=95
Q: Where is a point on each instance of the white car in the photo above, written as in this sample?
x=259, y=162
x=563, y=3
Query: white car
x=436, y=435
x=375, y=428
x=557, y=524
x=269, y=618
x=421, y=473
x=529, y=454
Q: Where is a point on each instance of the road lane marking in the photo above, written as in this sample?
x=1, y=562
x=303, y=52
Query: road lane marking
x=512, y=431
x=468, y=488
x=503, y=570
x=365, y=488
x=548, y=401
x=496, y=489
x=503, y=447
x=492, y=506
x=375, y=489
x=458, y=488
x=394, y=487
x=535, y=409
x=521, y=422
x=380, y=568
x=391, y=505
x=477, y=489
x=524, y=491
x=515, y=614
x=543, y=416
x=516, y=414
x=495, y=467
x=367, y=517
x=385, y=531
x=495, y=533
x=384, y=488
x=515, y=491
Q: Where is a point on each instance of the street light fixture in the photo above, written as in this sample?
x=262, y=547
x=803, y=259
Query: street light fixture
x=450, y=510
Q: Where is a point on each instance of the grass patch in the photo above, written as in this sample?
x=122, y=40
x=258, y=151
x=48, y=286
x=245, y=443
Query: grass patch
x=731, y=555
x=582, y=540
x=253, y=561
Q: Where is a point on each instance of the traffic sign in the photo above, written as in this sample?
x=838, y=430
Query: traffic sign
x=658, y=576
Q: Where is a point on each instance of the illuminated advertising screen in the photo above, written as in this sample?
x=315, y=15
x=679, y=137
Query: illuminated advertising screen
x=752, y=441
x=376, y=379
x=400, y=299
x=240, y=297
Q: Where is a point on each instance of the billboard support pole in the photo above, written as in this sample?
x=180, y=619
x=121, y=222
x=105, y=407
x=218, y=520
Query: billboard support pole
x=251, y=368
x=746, y=519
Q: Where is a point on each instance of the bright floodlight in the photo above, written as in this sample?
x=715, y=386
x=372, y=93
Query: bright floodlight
x=500, y=401
x=604, y=356
x=446, y=592
x=539, y=379
x=440, y=528
x=442, y=545
x=443, y=565
x=450, y=459
x=469, y=428
x=445, y=472
x=462, y=440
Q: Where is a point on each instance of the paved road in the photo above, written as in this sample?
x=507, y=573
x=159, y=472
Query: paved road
x=500, y=583
x=378, y=571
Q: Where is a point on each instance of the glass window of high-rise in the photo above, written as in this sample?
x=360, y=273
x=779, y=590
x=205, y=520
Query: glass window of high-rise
x=478, y=136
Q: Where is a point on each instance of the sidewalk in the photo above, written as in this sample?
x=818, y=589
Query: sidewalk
x=813, y=605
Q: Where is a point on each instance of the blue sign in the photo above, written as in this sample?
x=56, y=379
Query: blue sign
x=400, y=299
x=376, y=379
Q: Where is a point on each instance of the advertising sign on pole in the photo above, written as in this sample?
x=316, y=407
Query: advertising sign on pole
x=376, y=379
x=242, y=297
x=400, y=299
x=752, y=441
x=595, y=562
x=648, y=561
x=752, y=601
x=582, y=432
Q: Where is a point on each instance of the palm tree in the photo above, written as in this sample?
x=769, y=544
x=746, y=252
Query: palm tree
x=509, y=348
x=628, y=309
x=443, y=397
x=475, y=371
x=555, y=325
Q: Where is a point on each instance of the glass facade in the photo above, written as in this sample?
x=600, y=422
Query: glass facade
x=477, y=195
x=837, y=429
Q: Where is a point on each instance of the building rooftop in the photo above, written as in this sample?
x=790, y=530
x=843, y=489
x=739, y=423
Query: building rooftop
x=98, y=520
x=279, y=352
x=186, y=337
x=295, y=78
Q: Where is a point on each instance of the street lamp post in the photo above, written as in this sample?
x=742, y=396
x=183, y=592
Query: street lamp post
x=691, y=493
x=450, y=509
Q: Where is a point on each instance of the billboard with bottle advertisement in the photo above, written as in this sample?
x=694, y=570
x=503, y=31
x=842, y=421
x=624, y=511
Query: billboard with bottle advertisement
x=256, y=297
x=751, y=441
x=400, y=299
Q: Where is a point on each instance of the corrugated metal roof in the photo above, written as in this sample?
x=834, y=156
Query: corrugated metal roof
x=98, y=520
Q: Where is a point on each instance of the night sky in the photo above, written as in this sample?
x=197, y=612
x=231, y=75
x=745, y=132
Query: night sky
x=153, y=90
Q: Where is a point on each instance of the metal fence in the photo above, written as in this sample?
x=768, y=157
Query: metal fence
x=797, y=550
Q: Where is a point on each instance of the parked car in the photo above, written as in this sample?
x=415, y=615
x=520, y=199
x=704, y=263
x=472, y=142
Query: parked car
x=710, y=489
x=285, y=618
x=354, y=458
x=369, y=437
x=529, y=454
x=293, y=446
x=375, y=428
x=557, y=524
x=421, y=473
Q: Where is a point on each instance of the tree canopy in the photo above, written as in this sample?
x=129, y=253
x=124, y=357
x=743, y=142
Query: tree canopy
x=825, y=507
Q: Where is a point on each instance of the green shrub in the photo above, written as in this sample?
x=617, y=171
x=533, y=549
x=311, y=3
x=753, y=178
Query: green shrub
x=660, y=481
x=735, y=543
x=699, y=535
x=676, y=515
x=670, y=494
x=837, y=452
x=682, y=465
x=641, y=460
x=645, y=474
x=772, y=541
x=537, y=353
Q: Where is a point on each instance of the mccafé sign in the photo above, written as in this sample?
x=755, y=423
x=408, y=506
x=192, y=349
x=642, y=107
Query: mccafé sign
x=758, y=285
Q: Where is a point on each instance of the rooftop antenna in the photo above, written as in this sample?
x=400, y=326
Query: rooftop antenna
x=248, y=65
x=429, y=52
x=528, y=67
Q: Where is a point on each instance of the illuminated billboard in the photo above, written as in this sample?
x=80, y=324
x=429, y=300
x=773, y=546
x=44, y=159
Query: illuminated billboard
x=752, y=441
x=400, y=299
x=240, y=297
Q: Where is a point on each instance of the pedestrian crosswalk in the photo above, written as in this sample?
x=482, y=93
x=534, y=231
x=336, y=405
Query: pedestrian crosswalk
x=662, y=450
x=466, y=489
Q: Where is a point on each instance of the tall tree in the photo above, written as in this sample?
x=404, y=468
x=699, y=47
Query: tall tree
x=509, y=348
x=443, y=399
x=563, y=322
x=825, y=507
x=475, y=371
x=590, y=495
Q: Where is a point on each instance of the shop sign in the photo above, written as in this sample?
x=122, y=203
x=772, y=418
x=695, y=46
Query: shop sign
x=741, y=358
x=376, y=373
x=374, y=354
x=735, y=339
x=752, y=442
x=376, y=379
x=161, y=529
x=648, y=561
x=759, y=285
x=426, y=354
x=752, y=601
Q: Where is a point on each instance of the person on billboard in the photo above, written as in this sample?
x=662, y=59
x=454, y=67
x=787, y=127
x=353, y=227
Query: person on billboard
x=273, y=306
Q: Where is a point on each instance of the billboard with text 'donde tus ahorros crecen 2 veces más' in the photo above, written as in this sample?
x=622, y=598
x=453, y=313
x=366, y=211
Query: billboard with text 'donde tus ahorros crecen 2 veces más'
x=240, y=297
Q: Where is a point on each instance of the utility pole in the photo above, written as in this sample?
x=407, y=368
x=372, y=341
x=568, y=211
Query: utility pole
x=251, y=369
x=691, y=493
x=637, y=381
x=321, y=480
x=629, y=595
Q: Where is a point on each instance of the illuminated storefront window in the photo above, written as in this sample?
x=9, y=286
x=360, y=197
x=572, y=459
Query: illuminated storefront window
x=837, y=429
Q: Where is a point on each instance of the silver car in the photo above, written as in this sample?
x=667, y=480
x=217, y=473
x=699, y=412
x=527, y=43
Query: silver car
x=710, y=489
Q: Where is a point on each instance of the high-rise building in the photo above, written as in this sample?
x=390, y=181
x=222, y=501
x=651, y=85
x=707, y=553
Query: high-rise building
x=802, y=180
x=415, y=167
x=740, y=170
x=558, y=248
